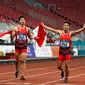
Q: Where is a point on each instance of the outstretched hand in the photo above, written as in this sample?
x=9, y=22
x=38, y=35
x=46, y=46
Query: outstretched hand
x=84, y=25
x=41, y=24
x=36, y=38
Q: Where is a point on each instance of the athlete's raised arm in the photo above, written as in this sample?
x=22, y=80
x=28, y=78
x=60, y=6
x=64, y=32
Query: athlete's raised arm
x=77, y=31
x=51, y=29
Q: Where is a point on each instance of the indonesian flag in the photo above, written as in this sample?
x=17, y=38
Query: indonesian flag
x=5, y=36
x=4, y=33
x=40, y=32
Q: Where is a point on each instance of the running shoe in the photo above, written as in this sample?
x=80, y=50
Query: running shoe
x=22, y=78
x=16, y=74
x=62, y=74
x=66, y=80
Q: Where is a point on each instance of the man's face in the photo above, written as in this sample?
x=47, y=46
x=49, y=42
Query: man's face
x=66, y=27
x=22, y=21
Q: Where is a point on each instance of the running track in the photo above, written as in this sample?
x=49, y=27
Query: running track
x=44, y=73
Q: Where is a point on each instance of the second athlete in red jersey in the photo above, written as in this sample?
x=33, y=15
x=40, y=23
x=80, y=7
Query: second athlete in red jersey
x=65, y=47
x=65, y=43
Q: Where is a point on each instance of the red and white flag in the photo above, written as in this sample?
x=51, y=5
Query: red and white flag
x=4, y=33
x=40, y=32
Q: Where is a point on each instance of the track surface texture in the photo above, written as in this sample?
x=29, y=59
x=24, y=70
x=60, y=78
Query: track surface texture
x=44, y=73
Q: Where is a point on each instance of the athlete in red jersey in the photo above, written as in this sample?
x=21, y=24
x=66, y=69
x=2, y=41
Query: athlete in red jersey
x=65, y=46
x=21, y=40
x=21, y=32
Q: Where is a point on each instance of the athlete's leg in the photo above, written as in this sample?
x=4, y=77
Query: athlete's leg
x=60, y=61
x=60, y=65
x=67, y=65
x=17, y=61
x=17, y=64
x=23, y=64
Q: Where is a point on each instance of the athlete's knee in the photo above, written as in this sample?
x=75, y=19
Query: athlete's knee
x=22, y=61
x=17, y=61
x=67, y=66
x=59, y=67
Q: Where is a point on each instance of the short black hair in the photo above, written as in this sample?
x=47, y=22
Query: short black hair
x=20, y=17
x=67, y=22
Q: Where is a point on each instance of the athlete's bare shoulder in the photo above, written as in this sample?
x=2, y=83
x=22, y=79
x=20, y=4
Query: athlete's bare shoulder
x=60, y=32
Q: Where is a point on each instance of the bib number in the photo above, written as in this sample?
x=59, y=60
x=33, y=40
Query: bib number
x=64, y=44
x=21, y=36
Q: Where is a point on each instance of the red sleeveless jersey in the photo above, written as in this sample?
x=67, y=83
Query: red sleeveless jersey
x=21, y=37
x=65, y=42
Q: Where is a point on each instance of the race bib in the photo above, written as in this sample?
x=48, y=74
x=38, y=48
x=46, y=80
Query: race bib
x=64, y=44
x=21, y=36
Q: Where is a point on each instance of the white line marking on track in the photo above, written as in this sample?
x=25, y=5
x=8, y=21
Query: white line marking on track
x=27, y=84
x=13, y=83
x=32, y=69
x=10, y=83
x=61, y=79
x=52, y=72
x=18, y=83
x=7, y=80
x=41, y=74
x=29, y=70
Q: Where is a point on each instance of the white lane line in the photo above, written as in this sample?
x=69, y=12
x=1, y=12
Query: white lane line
x=13, y=83
x=40, y=74
x=30, y=70
x=7, y=80
x=61, y=79
x=52, y=72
